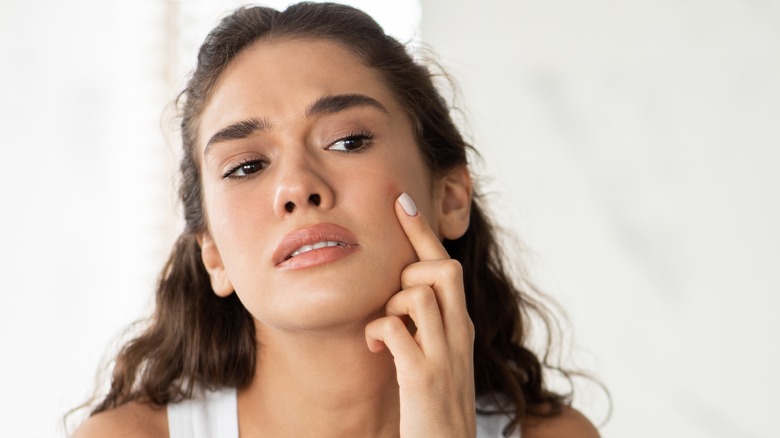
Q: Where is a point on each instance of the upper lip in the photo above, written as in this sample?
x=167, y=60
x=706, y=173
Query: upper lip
x=308, y=236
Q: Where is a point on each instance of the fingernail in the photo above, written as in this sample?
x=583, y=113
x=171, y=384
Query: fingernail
x=407, y=204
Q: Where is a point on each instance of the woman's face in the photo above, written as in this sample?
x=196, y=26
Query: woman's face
x=301, y=144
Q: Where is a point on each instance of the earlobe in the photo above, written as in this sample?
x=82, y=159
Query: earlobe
x=212, y=260
x=455, y=191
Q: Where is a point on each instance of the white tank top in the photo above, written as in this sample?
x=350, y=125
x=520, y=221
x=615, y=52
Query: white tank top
x=214, y=414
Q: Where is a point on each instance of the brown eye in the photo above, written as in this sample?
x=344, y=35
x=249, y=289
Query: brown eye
x=246, y=168
x=351, y=143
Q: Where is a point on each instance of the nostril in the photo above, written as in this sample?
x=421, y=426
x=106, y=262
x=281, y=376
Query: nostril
x=289, y=207
x=314, y=200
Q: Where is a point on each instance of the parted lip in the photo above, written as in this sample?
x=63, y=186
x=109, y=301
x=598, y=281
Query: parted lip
x=308, y=236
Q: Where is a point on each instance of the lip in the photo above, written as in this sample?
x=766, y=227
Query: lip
x=308, y=236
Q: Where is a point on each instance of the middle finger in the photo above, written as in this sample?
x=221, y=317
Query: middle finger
x=420, y=303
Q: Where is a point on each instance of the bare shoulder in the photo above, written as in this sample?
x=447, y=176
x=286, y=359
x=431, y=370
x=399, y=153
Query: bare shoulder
x=131, y=420
x=570, y=423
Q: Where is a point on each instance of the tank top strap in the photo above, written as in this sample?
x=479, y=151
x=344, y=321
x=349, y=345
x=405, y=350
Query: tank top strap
x=208, y=414
x=492, y=425
x=214, y=414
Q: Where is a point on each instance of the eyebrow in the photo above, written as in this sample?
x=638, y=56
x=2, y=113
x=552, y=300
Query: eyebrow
x=340, y=102
x=324, y=105
x=237, y=131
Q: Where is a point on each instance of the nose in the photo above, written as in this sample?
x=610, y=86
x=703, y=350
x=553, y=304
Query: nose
x=300, y=186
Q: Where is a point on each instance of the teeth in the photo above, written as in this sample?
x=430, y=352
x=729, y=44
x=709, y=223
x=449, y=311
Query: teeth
x=318, y=245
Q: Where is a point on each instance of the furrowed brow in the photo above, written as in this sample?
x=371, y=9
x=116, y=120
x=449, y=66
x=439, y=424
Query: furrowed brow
x=340, y=102
x=237, y=131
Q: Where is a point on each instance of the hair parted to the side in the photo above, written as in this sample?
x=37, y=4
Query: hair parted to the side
x=195, y=338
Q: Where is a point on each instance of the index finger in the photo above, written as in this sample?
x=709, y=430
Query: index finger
x=424, y=241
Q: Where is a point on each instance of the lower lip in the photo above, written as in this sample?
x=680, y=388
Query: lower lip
x=317, y=257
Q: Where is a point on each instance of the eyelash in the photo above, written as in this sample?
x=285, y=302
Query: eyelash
x=230, y=174
x=359, y=135
x=363, y=136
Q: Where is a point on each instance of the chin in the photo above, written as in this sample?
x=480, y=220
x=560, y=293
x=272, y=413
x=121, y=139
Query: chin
x=319, y=308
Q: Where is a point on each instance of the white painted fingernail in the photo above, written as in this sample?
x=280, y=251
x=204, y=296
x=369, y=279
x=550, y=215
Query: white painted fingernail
x=407, y=204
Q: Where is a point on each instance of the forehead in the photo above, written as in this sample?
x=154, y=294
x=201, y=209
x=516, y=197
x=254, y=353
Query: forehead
x=278, y=79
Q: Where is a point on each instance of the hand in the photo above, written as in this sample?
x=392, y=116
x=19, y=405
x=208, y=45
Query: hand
x=433, y=359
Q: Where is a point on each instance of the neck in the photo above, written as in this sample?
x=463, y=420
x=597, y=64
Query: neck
x=319, y=384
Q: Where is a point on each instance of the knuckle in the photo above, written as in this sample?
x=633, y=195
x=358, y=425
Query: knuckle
x=407, y=276
x=452, y=268
x=471, y=329
x=393, y=325
x=423, y=297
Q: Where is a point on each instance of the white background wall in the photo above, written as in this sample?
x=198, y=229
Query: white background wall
x=87, y=201
x=631, y=145
x=635, y=147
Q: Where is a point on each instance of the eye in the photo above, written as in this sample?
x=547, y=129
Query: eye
x=246, y=168
x=352, y=142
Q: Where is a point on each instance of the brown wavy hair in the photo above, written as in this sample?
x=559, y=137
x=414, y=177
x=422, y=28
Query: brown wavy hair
x=195, y=338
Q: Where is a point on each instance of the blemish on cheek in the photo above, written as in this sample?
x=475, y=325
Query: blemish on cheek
x=392, y=190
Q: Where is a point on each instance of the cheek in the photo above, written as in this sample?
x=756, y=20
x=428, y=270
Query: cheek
x=392, y=190
x=235, y=219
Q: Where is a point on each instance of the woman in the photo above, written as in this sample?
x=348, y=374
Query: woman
x=334, y=255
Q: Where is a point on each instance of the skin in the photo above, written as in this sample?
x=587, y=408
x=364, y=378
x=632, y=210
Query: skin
x=334, y=338
x=314, y=323
x=277, y=82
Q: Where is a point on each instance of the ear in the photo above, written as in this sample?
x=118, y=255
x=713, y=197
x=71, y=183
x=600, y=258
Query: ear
x=453, y=195
x=212, y=260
